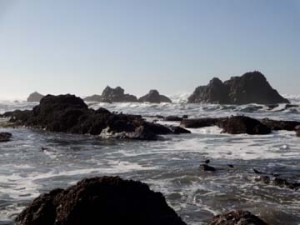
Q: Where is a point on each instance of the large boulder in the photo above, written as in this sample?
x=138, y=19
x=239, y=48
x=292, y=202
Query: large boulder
x=100, y=200
x=34, y=97
x=237, y=217
x=154, y=97
x=252, y=87
x=68, y=113
x=243, y=125
x=116, y=95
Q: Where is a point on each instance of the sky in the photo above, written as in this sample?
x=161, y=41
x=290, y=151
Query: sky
x=81, y=46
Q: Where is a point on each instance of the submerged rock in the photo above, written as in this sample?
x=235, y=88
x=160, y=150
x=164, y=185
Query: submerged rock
x=280, y=124
x=68, y=113
x=198, y=123
x=237, y=217
x=154, y=97
x=5, y=136
x=252, y=87
x=297, y=128
x=34, y=97
x=100, y=200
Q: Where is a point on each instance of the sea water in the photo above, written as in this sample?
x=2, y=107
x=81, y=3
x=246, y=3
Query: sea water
x=37, y=161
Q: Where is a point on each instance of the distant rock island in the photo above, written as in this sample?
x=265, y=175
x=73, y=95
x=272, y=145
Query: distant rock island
x=118, y=95
x=112, y=95
x=154, y=97
x=35, y=97
x=251, y=87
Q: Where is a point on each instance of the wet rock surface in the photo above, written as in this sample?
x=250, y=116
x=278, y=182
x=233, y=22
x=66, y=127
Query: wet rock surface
x=237, y=217
x=68, y=113
x=251, y=87
x=243, y=124
x=5, y=136
x=154, y=97
x=100, y=200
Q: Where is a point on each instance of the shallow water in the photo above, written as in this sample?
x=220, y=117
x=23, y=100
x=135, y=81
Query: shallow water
x=37, y=161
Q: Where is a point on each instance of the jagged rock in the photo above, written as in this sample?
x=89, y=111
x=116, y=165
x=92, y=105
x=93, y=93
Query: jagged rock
x=154, y=97
x=237, y=217
x=252, y=87
x=116, y=95
x=93, y=98
x=100, y=200
x=243, y=124
x=34, y=97
x=5, y=136
x=280, y=124
x=68, y=113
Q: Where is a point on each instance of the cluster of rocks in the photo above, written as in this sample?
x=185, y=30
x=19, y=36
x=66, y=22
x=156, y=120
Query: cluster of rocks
x=252, y=87
x=117, y=95
x=111, y=95
x=68, y=113
x=112, y=200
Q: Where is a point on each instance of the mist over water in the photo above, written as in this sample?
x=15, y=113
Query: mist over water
x=36, y=161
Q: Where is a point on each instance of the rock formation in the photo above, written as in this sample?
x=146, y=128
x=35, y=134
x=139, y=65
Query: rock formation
x=34, y=97
x=154, y=97
x=252, y=87
x=68, y=113
x=116, y=95
x=100, y=200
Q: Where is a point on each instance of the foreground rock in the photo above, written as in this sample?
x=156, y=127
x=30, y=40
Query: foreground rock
x=280, y=124
x=252, y=87
x=100, y=200
x=154, y=97
x=68, y=113
x=5, y=136
x=34, y=97
x=237, y=217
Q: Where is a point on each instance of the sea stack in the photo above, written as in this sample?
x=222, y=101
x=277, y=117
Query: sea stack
x=251, y=87
x=154, y=97
x=35, y=97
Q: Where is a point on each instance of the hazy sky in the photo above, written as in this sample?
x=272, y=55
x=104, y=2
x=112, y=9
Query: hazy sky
x=80, y=46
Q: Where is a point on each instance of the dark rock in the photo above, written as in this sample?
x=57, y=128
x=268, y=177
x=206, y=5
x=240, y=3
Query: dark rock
x=198, y=123
x=154, y=97
x=100, y=200
x=297, y=128
x=252, y=87
x=243, y=124
x=173, y=118
x=206, y=167
x=68, y=113
x=116, y=95
x=5, y=136
x=237, y=217
x=34, y=97
x=93, y=98
x=280, y=124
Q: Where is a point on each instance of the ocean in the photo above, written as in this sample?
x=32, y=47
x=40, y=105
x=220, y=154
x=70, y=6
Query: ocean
x=37, y=161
